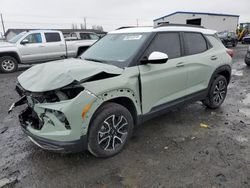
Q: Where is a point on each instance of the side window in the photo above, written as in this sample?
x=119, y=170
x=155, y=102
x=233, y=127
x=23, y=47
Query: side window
x=84, y=36
x=52, y=37
x=168, y=43
x=94, y=37
x=34, y=38
x=73, y=35
x=194, y=43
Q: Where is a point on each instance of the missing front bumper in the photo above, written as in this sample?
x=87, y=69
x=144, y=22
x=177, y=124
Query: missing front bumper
x=28, y=118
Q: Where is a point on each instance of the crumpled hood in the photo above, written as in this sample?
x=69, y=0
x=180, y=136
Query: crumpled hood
x=57, y=74
x=6, y=44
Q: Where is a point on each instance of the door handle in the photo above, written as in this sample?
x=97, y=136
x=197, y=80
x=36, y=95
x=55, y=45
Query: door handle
x=214, y=57
x=41, y=46
x=181, y=64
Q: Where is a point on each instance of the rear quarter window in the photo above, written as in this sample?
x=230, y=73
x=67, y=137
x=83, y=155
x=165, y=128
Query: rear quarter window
x=52, y=37
x=195, y=43
x=215, y=41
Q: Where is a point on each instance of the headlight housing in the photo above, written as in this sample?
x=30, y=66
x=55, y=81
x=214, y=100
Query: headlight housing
x=65, y=93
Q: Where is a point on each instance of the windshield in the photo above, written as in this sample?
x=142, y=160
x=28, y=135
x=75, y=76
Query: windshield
x=116, y=49
x=17, y=37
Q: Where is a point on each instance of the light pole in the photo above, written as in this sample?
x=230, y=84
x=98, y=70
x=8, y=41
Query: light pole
x=1, y=15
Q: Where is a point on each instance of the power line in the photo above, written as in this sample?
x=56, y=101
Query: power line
x=76, y=18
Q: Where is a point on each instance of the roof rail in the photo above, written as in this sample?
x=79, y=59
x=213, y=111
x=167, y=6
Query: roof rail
x=180, y=25
x=126, y=27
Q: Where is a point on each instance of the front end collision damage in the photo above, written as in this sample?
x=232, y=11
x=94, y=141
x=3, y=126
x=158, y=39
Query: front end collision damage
x=63, y=122
x=62, y=103
x=54, y=120
x=54, y=125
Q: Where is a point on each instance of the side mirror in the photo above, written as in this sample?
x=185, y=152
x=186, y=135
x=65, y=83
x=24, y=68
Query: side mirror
x=157, y=58
x=24, y=41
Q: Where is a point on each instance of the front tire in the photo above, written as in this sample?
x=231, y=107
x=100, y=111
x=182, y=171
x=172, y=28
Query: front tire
x=110, y=130
x=247, y=62
x=217, y=93
x=8, y=64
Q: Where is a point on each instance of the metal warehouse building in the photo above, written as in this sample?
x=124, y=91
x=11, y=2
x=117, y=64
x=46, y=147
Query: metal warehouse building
x=219, y=22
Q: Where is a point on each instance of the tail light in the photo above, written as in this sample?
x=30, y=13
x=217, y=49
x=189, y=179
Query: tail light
x=230, y=52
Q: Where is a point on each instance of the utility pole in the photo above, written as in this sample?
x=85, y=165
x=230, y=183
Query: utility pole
x=2, y=24
x=85, y=23
x=137, y=22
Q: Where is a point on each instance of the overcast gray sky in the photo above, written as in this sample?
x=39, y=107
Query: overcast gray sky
x=108, y=13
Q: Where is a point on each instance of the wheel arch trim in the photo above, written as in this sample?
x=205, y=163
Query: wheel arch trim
x=221, y=70
x=12, y=54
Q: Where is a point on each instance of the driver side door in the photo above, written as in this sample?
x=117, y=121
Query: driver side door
x=33, y=49
x=164, y=83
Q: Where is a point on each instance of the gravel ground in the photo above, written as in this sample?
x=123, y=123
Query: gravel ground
x=169, y=151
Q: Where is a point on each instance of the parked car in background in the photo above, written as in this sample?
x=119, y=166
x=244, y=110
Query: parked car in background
x=247, y=57
x=127, y=77
x=246, y=39
x=38, y=46
x=83, y=36
x=228, y=38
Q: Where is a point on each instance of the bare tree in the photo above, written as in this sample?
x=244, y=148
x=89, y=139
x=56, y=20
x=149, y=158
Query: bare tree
x=82, y=26
x=97, y=27
x=74, y=26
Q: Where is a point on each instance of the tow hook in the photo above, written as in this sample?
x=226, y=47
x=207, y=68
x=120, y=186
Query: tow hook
x=20, y=102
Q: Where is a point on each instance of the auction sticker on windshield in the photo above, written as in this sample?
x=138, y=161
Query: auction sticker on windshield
x=132, y=37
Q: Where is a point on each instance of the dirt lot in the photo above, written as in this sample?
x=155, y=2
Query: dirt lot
x=169, y=151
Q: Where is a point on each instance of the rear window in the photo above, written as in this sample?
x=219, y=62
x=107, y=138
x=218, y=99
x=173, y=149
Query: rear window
x=52, y=37
x=88, y=36
x=194, y=43
x=85, y=36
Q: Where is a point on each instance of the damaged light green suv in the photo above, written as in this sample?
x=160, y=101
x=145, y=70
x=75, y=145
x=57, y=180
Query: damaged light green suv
x=129, y=76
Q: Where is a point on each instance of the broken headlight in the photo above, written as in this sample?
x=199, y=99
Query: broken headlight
x=65, y=93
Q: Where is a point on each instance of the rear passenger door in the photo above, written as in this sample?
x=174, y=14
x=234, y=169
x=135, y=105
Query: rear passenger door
x=54, y=46
x=163, y=83
x=199, y=61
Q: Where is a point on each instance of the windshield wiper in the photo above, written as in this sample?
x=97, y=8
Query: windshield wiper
x=95, y=60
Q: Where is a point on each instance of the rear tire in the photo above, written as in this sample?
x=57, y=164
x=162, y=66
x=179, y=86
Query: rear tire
x=8, y=64
x=110, y=130
x=217, y=93
x=247, y=63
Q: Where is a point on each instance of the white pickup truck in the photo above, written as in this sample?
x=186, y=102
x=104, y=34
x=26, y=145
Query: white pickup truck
x=38, y=46
x=82, y=36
